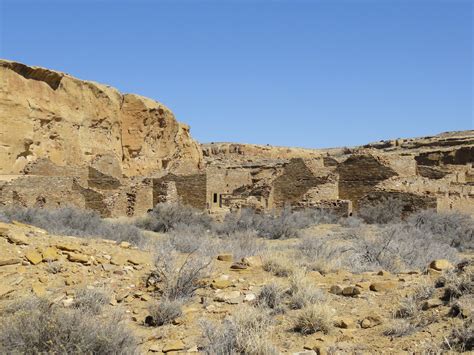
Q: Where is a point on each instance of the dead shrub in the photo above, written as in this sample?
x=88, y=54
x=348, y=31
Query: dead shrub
x=165, y=312
x=397, y=247
x=314, y=318
x=75, y=222
x=178, y=279
x=461, y=338
x=242, y=243
x=166, y=216
x=278, y=265
x=38, y=326
x=382, y=211
x=454, y=229
x=458, y=283
x=245, y=332
x=54, y=267
x=276, y=224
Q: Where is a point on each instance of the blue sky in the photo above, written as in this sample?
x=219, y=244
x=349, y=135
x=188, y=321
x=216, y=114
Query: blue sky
x=294, y=73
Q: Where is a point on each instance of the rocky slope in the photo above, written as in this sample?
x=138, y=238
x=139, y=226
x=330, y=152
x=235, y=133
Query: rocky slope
x=361, y=306
x=46, y=114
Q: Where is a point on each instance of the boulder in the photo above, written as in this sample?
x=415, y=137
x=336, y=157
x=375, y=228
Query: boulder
x=350, y=291
x=382, y=286
x=50, y=254
x=9, y=261
x=225, y=257
x=173, y=345
x=336, y=290
x=78, y=258
x=33, y=257
x=441, y=265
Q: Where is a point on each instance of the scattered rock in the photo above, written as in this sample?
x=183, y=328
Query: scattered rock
x=155, y=348
x=18, y=239
x=252, y=261
x=249, y=297
x=227, y=296
x=371, y=321
x=441, y=265
x=345, y=323
x=336, y=289
x=33, y=257
x=225, y=257
x=431, y=303
x=383, y=286
x=350, y=291
x=220, y=284
x=9, y=261
x=239, y=266
x=78, y=258
x=38, y=289
x=50, y=254
x=67, y=247
x=125, y=245
x=173, y=345
x=383, y=273
x=136, y=260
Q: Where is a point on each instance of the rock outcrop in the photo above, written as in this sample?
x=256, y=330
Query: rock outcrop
x=49, y=115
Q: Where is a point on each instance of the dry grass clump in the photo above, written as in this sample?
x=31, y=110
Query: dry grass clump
x=91, y=300
x=302, y=292
x=314, y=318
x=246, y=332
x=400, y=328
x=165, y=312
x=242, y=243
x=38, y=326
x=278, y=264
x=272, y=296
x=75, y=222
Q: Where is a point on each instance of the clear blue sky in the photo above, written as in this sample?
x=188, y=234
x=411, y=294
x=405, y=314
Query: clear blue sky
x=295, y=73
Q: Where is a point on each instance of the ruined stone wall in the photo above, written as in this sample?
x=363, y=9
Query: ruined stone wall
x=40, y=191
x=359, y=174
x=190, y=189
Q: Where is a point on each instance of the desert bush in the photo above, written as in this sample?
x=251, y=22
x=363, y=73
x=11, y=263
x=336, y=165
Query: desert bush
x=245, y=332
x=166, y=216
x=407, y=308
x=54, y=267
x=165, y=312
x=38, y=326
x=271, y=296
x=178, y=278
x=190, y=238
x=395, y=248
x=399, y=328
x=458, y=283
x=90, y=300
x=462, y=337
x=274, y=225
x=242, y=243
x=75, y=222
x=454, y=229
x=314, y=318
x=278, y=264
x=382, y=211
x=351, y=222
x=302, y=292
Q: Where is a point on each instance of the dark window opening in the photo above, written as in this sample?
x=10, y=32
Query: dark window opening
x=215, y=198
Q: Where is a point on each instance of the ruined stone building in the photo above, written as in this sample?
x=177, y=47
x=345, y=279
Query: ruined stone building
x=67, y=141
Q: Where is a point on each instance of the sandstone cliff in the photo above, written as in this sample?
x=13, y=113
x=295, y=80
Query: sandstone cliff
x=51, y=116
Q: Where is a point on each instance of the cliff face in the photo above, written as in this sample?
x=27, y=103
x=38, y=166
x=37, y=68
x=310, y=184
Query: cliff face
x=48, y=115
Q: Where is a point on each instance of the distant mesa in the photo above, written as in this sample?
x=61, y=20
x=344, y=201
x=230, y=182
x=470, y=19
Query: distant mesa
x=69, y=141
